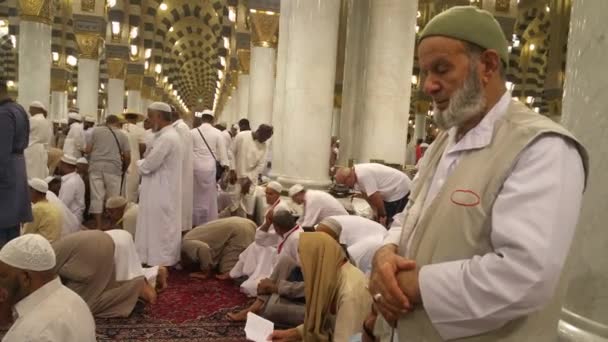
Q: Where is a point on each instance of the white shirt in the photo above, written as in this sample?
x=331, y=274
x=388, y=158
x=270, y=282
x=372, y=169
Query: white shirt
x=52, y=313
x=74, y=141
x=71, y=223
x=319, y=205
x=228, y=143
x=72, y=193
x=136, y=136
x=249, y=156
x=392, y=184
x=203, y=159
x=41, y=130
x=533, y=222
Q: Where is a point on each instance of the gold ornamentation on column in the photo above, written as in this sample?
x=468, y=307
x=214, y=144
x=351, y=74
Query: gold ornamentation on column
x=502, y=5
x=116, y=68
x=243, y=56
x=59, y=84
x=146, y=92
x=134, y=82
x=264, y=28
x=89, y=44
x=36, y=10
x=87, y=5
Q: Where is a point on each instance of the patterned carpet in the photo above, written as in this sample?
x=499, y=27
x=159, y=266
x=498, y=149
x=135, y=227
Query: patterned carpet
x=188, y=310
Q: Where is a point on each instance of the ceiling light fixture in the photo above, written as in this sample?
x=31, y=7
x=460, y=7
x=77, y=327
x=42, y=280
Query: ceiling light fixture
x=158, y=68
x=10, y=84
x=147, y=53
x=171, y=29
x=231, y=14
x=71, y=60
x=226, y=42
x=223, y=61
x=134, y=32
x=163, y=6
x=532, y=47
x=115, y=28
x=55, y=56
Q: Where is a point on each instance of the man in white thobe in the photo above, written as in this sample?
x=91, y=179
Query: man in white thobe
x=205, y=155
x=494, y=206
x=250, y=149
x=187, y=169
x=317, y=205
x=41, y=136
x=159, y=226
x=257, y=261
x=229, y=135
x=136, y=135
x=45, y=310
x=70, y=224
x=74, y=141
x=72, y=187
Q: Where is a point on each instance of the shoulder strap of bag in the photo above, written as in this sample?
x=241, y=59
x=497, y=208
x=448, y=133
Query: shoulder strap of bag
x=205, y=140
x=115, y=139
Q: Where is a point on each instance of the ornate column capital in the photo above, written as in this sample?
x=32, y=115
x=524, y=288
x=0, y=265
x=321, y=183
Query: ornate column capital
x=135, y=76
x=243, y=57
x=89, y=44
x=264, y=28
x=117, y=68
x=59, y=79
x=147, y=90
x=36, y=10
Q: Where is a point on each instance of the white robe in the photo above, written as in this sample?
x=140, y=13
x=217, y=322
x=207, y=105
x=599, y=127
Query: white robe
x=126, y=261
x=71, y=224
x=158, y=238
x=319, y=205
x=257, y=261
x=136, y=136
x=72, y=193
x=228, y=141
x=36, y=155
x=74, y=141
x=187, y=173
x=204, y=184
x=249, y=156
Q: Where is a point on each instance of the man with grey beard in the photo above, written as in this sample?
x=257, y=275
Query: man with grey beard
x=478, y=252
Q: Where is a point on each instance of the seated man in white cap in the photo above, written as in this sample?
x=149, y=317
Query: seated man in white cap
x=109, y=157
x=317, y=206
x=45, y=310
x=136, y=134
x=74, y=143
x=70, y=224
x=47, y=217
x=215, y=246
x=159, y=223
x=209, y=149
x=72, y=191
x=122, y=213
x=85, y=263
x=257, y=261
x=187, y=170
x=41, y=136
x=362, y=237
x=279, y=282
x=386, y=189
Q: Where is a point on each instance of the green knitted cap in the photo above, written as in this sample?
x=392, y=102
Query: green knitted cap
x=470, y=24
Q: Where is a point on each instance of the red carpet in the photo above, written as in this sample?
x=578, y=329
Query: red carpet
x=188, y=310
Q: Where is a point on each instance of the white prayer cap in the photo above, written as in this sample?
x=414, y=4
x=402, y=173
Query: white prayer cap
x=160, y=106
x=30, y=252
x=82, y=160
x=208, y=112
x=332, y=224
x=115, y=202
x=90, y=119
x=68, y=159
x=296, y=189
x=38, y=104
x=74, y=116
x=63, y=121
x=38, y=185
x=276, y=186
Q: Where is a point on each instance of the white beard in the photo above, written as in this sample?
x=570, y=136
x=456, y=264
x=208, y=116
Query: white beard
x=466, y=103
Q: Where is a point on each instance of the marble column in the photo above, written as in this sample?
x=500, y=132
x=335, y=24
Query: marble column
x=585, y=312
x=88, y=86
x=264, y=28
x=278, y=106
x=116, y=85
x=420, y=129
x=388, y=72
x=59, y=94
x=243, y=84
x=34, y=52
x=309, y=91
x=353, y=83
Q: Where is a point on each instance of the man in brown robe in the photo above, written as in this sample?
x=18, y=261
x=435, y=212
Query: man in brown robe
x=217, y=245
x=85, y=263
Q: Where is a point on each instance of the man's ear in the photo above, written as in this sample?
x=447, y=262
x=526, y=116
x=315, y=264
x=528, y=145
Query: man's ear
x=491, y=62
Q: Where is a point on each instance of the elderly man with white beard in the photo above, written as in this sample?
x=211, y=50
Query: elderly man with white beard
x=484, y=239
x=159, y=224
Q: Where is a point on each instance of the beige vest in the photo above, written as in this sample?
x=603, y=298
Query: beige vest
x=475, y=184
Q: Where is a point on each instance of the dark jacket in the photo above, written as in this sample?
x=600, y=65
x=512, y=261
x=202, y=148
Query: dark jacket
x=15, y=206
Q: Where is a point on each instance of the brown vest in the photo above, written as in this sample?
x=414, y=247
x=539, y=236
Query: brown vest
x=467, y=199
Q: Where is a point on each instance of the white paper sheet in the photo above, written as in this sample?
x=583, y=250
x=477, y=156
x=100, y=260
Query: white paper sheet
x=257, y=328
